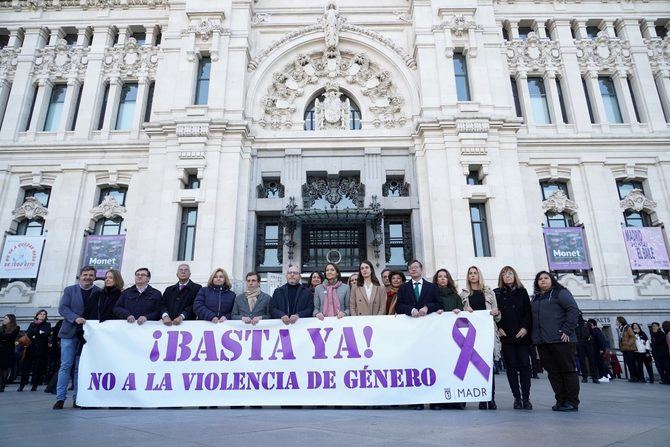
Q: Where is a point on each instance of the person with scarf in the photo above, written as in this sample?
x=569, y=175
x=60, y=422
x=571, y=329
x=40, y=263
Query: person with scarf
x=35, y=360
x=369, y=296
x=642, y=354
x=252, y=305
x=396, y=279
x=331, y=298
x=9, y=332
x=215, y=302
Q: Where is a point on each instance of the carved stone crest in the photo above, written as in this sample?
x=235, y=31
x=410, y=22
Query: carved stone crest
x=604, y=53
x=333, y=190
x=131, y=59
x=558, y=202
x=332, y=112
x=109, y=208
x=30, y=209
x=659, y=55
x=533, y=54
x=636, y=201
x=459, y=25
x=61, y=61
x=8, y=62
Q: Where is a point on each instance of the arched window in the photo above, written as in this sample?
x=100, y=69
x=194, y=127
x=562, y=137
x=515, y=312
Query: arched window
x=110, y=226
x=354, y=112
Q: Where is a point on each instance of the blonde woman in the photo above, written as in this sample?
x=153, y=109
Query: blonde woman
x=215, y=302
x=478, y=296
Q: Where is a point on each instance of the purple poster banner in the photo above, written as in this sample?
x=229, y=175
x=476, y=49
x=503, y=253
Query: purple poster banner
x=646, y=248
x=566, y=248
x=103, y=253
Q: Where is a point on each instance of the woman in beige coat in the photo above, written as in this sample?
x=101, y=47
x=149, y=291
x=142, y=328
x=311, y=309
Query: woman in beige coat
x=368, y=297
x=480, y=297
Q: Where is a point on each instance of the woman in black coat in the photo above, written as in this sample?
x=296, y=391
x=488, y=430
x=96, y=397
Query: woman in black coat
x=514, y=331
x=8, y=333
x=35, y=360
x=102, y=302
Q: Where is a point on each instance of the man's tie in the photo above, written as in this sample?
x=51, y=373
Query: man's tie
x=181, y=287
x=416, y=292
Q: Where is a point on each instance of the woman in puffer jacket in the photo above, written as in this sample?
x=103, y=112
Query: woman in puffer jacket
x=215, y=302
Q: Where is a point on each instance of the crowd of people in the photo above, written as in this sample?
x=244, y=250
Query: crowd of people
x=545, y=325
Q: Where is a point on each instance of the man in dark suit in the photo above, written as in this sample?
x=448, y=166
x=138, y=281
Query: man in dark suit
x=292, y=300
x=252, y=305
x=177, y=302
x=71, y=308
x=417, y=297
x=139, y=302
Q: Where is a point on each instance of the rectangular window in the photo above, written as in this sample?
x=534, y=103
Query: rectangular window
x=515, y=95
x=268, y=246
x=103, y=108
x=73, y=124
x=55, y=110
x=41, y=195
x=632, y=95
x=473, y=177
x=549, y=188
x=32, y=108
x=159, y=38
x=524, y=31
x=150, y=103
x=202, y=82
x=141, y=38
x=538, y=101
x=192, y=182
x=398, y=241
x=588, y=101
x=4, y=40
x=610, y=100
x=127, y=102
x=661, y=31
x=461, y=72
x=71, y=39
x=561, y=101
x=625, y=187
x=189, y=217
x=119, y=194
x=592, y=32
x=480, y=233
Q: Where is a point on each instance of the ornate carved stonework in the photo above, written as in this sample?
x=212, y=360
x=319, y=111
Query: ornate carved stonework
x=8, y=61
x=35, y=5
x=533, y=55
x=395, y=187
x=636, y=201
x=333, y=190
x=604, y=53
x=332, y=112
x=191, y=155
x=206, y=35
x=332, y=24
x=205, y=28
x=270, y=188
x=61, y=61
x=659, y=55
x=109, y=209
x=192, y=130
x=260, y=17
x=472, y=126
x=459, y=25
x=558, y=202
x=131, y=60
x=30, y=209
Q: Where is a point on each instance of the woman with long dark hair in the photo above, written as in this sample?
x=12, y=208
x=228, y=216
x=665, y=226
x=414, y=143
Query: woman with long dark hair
x=331, y=298
x=397, y=279
x=102, y=302
x=35, y=360
x=315, y=278
x=555, y=314
x=514, y=331
x=447, y=291
x=369, y=296
x=8, y=334
x=642, y=355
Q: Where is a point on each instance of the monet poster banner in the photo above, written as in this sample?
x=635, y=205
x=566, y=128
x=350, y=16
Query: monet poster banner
x=382, y=360
x=566, y=248
x=646, y=248
x=104, y=253
x=21, y=257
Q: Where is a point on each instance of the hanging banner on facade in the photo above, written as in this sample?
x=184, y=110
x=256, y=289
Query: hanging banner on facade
x=384, y=360
x=646, y=248
x=103, y=253
x=566, y=248
x=21, y=257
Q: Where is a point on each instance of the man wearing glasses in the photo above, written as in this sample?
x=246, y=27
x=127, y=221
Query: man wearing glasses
x=139, y=302
x=292, y=300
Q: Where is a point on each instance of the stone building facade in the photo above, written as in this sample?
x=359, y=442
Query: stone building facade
x=252, y=134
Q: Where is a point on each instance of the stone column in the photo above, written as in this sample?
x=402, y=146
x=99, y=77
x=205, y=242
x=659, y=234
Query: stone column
x=69, y=105
x=113, y=97
x=44, y=87
x=524, y=99
x=552, y=98
x=597, y=105
x=140, y=106
x=620, y=80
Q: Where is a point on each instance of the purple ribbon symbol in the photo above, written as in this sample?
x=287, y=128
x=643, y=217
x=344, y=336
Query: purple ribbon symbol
x=468, y=354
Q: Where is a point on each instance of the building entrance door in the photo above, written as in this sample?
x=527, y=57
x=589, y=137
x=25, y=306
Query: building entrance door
x=344, y=245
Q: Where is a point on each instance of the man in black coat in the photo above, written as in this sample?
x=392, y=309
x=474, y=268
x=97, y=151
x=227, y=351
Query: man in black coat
x=139, y=302
x=417, y=297
x=292, y=300
x=177, y=302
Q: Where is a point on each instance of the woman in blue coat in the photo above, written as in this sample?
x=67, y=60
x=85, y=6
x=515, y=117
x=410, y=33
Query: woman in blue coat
x=215, y=302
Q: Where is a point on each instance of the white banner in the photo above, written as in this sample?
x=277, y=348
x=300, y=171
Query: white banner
x=382, y=360
x=21, y=257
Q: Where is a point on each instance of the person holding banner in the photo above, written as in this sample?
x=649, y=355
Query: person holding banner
x=396, y=279
x=177, y=300
x=555, y=314
x=291, y=301
x=71, y=308
x=253, y=305
x=215, y=301
x=417, y=297
x=368, y=298
x=139, y=302
x=331, y=298
x=479, y=296
x=102, y=303
x=514, y=331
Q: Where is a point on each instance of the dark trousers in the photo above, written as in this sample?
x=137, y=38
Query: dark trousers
x=535, y=360
x=517, y=361
x=559, y=361
x=663, y=367
x=642, y=360
x=34, y=365
x=588, y=362
x=629, y=363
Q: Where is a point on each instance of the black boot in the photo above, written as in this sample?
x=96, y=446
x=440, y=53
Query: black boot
x=517, y=404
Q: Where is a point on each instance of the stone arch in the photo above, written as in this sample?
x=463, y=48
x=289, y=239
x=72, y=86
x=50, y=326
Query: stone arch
x=383, y=85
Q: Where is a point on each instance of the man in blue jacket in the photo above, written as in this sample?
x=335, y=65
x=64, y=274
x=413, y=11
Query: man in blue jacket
x=292, y=300
x=71, y=308
x=139, y=302
x=417, y=297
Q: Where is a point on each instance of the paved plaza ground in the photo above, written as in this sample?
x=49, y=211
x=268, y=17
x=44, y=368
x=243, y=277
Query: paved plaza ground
x=617, y=413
